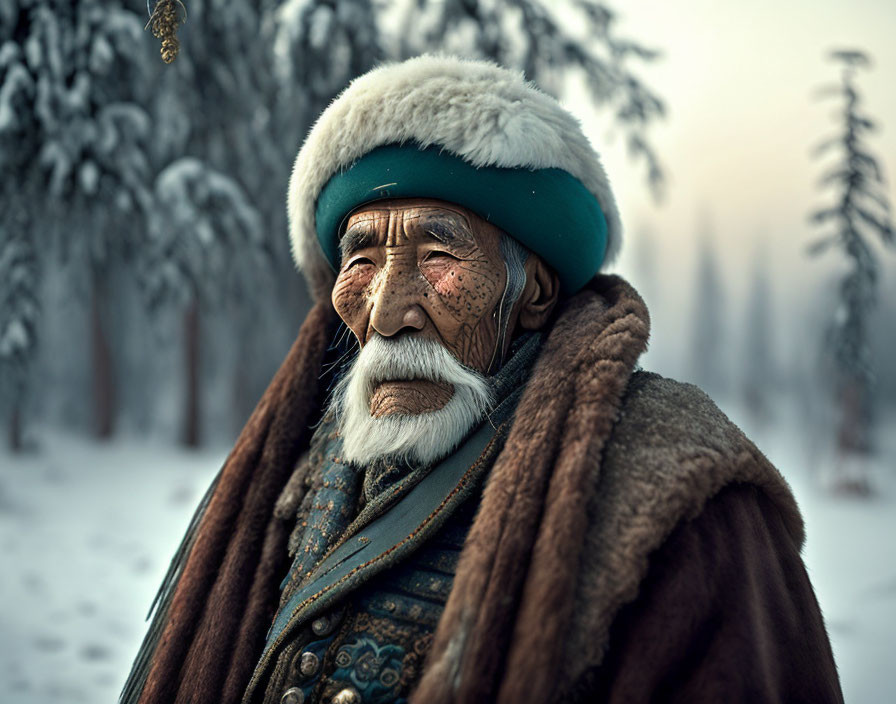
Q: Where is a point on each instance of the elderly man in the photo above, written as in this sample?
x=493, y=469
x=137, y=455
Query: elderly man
x=465, y=492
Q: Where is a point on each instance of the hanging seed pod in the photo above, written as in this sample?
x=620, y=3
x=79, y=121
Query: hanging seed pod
x=163, y=21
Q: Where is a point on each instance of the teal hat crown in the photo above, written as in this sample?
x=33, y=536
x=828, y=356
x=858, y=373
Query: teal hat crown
x=547, y=210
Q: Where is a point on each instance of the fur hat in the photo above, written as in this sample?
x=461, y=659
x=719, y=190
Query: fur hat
x=489, y=117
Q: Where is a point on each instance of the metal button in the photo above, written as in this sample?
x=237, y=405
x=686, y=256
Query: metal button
x=293, y=695
x=323, y=626
x=308, y=664
x=349, y=695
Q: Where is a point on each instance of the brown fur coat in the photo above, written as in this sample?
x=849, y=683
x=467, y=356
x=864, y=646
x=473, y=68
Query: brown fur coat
x=631, y=544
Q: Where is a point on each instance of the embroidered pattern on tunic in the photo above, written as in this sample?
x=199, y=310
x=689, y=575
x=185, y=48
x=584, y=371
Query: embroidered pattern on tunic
x=333, y=505
x=390, y=622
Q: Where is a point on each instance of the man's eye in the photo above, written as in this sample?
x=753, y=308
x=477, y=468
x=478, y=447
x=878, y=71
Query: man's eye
x=437, y=253
x=358, y=260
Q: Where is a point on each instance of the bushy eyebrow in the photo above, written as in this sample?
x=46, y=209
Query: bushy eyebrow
x=449, y=230
x=355, y=238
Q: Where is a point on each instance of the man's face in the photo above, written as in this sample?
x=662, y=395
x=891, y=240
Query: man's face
x=428, y=268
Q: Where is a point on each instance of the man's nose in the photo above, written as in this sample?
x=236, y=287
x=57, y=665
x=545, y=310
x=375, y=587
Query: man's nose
x=396, y=304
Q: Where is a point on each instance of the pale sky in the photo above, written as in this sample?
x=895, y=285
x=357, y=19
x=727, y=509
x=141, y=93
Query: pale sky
x=738, y=79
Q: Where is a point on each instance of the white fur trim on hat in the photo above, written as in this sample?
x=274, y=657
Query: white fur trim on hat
x=485, y=114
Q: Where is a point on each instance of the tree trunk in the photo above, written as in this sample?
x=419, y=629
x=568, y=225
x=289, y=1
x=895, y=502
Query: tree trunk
x=852, y=433
x=15, y=427
x=853, y=441
x=192, y=414
x=103, y=374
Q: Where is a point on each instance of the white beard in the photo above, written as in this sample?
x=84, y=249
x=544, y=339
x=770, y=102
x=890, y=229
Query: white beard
x=418, y=439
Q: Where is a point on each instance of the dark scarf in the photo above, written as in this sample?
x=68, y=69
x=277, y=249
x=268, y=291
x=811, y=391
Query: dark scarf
x=519, y=561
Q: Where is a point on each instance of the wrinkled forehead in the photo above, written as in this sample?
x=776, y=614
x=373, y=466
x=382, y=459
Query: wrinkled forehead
x=416, y=218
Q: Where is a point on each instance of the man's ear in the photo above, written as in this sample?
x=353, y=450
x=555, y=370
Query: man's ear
x=540, y=295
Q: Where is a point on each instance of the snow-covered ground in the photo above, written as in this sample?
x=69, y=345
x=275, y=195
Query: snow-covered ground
x=86, y=532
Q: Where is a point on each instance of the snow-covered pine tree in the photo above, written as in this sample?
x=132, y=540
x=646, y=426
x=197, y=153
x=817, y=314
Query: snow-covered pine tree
x=73, y=136
x=248, y=81
x=211, y=118
x=202, y=231
x=322, y=45
x=214, y=102
x=857, y=221
x=19, y=144
x=549, y=41
x=18, y=319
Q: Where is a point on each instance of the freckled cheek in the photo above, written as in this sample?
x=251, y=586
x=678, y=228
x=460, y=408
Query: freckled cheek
x=442, y=278
x=473, y=304
x=461, y=289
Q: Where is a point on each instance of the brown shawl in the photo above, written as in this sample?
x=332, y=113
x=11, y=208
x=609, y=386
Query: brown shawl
x=522, y=558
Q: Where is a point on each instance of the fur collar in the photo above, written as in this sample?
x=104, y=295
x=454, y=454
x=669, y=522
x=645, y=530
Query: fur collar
x=532, y=517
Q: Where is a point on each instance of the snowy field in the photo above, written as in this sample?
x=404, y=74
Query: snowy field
x=86, y=532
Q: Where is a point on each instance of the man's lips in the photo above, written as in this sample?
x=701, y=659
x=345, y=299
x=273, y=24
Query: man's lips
x=409, y=397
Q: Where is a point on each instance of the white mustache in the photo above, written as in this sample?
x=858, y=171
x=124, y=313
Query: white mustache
x=419, y=438
x=407, y=358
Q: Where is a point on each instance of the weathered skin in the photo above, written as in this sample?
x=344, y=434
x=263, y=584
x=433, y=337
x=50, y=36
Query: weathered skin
x=431, y=268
